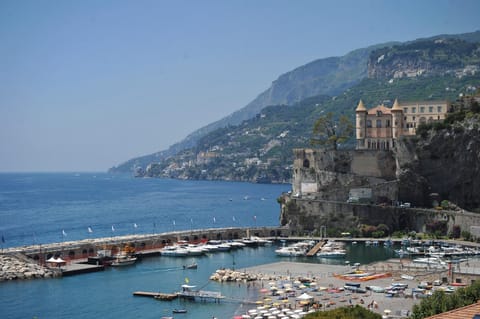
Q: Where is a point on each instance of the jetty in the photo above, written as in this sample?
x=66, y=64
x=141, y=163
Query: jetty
x=316, y=248
x=156, y=295
x=199, y=295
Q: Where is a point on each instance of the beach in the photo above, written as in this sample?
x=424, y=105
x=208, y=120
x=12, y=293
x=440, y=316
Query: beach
x=326, y=295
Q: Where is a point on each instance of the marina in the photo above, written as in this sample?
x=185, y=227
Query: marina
x=156, y=275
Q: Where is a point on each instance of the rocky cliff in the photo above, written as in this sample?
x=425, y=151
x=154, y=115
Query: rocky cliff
x=443, y=161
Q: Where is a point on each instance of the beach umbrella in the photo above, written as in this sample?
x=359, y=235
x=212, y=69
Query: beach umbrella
x=304, y=296
x=264, y=290
x=246, y=316
x=387, y=311
x=272, y=283
x=237, y=317
x=259, y=302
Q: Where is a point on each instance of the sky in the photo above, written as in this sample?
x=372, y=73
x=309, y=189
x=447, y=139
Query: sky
x=86, y=85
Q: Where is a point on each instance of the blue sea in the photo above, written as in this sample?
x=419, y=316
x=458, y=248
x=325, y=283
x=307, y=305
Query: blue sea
x=44, y=208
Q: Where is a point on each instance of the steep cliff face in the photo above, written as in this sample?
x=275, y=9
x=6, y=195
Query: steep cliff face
x=444, y=162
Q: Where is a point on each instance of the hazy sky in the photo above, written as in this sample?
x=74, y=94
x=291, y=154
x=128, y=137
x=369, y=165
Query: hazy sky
x=85, y=85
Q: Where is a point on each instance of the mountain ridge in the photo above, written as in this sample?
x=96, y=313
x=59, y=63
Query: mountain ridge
x=289, y=88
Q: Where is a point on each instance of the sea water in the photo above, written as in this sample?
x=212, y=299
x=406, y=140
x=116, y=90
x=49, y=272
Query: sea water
x=44, y=208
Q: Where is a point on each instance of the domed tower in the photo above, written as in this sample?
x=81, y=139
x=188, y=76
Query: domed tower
x=397, y=118
x=360, y=124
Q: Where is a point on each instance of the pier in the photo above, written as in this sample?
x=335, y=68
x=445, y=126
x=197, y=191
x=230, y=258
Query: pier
x=156, y=295
x=316, y=248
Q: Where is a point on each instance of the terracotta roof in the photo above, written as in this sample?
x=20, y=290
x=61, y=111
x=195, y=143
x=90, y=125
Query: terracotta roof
x=467, y=312
x=382, y=108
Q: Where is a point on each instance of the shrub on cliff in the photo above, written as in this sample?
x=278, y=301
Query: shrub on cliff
x=356, y=312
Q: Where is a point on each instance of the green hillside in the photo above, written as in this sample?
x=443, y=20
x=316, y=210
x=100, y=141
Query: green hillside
x=261, y=148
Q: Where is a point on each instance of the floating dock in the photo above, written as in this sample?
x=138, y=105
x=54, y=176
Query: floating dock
x=156, y=295
x=75, y=269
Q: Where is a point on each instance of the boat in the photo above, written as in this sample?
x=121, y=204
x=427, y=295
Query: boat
x=430, y=261
x=123, y=260
x=179, y=311
x=290, y=251
x=332, y=254
x=174, y=251
x=191, y=266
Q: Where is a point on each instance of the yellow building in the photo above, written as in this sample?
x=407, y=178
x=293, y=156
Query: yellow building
x=379, y=127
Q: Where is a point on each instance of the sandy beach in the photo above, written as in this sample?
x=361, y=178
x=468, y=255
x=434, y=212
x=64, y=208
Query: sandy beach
x=323, y=276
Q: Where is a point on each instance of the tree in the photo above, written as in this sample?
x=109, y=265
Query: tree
x=356, y=312
x=331, y=132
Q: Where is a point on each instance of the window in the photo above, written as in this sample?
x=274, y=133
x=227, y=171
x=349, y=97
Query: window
x=422, y=109
x=414, y=110
x=306, y=163
x=387, y=124
x=405, y=110
x=369, y=123
x=379, y=123
x=439, y=109
x=379, y=113
x=430, y=109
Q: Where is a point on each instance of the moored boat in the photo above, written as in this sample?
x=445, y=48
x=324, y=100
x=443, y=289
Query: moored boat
x=123, y=260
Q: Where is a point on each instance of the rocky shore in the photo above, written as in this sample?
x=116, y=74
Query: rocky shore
x=13, y=267
x=228, y=275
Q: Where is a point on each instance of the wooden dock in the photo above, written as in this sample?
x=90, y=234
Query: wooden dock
x=156, y=295
x=316, y=248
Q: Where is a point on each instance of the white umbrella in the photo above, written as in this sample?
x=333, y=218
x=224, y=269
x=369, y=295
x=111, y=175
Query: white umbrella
x=304, y=296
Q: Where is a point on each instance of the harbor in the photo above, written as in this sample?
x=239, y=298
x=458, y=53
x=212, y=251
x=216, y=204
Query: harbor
x=261, y=265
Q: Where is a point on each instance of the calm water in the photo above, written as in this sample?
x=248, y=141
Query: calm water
x=35, y=208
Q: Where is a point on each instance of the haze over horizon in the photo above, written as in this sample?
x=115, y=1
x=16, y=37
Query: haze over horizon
x=86, y=85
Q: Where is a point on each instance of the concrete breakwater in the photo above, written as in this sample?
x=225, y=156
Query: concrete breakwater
x=30, y=262
x=15, y=267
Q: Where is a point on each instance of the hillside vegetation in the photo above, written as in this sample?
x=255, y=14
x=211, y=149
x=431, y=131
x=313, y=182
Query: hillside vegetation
x=255, y=143
x=260, y=149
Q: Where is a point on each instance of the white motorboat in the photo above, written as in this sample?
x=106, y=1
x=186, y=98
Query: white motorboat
x=430, y=261
x=290, y=251
x=336, y=253
x=174, y=251
x=123, y=260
